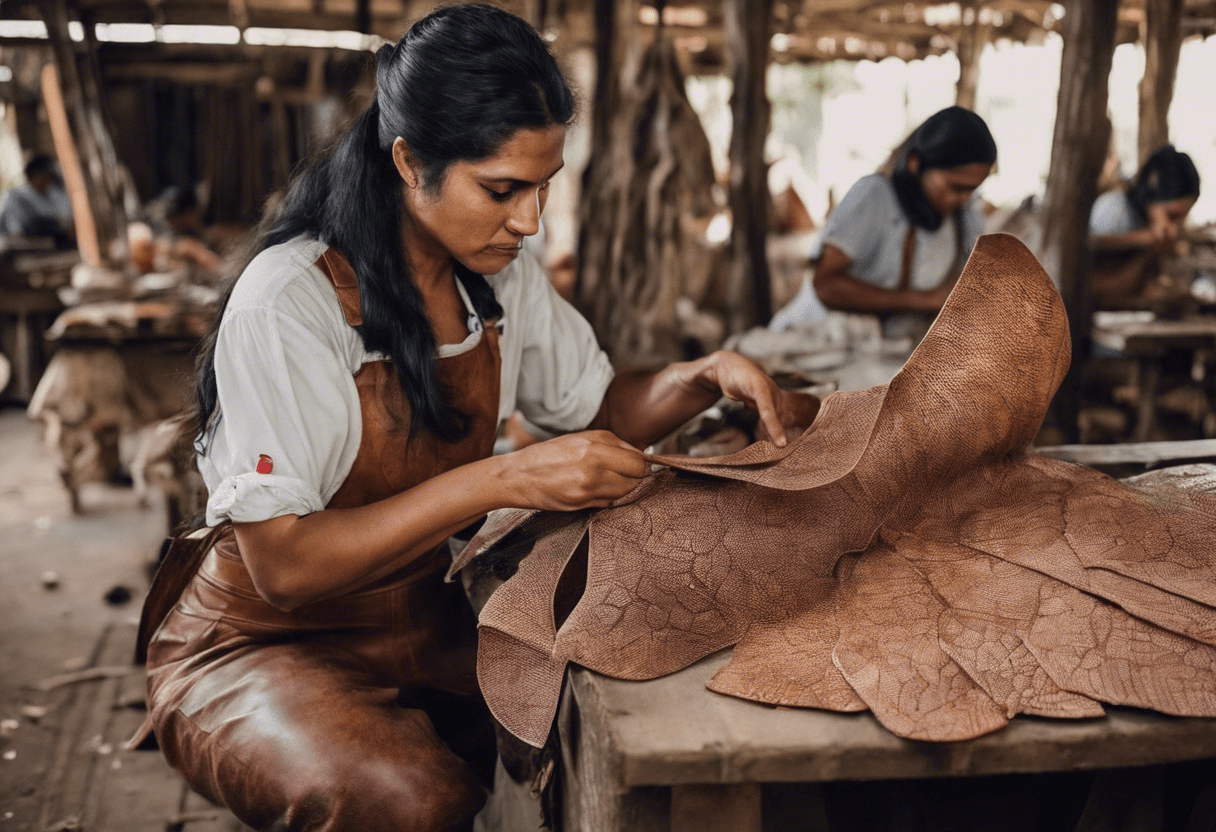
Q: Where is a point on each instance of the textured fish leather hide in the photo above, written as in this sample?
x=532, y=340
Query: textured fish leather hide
x=905, y=554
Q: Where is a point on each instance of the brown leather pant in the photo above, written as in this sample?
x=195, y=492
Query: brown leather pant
x=329, y=717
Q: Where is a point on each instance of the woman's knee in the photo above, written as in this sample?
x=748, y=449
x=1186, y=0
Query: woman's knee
x=370, y=795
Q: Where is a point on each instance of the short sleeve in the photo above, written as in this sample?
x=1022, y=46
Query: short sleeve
x=15, y=213
x=1111, y=214
x=289, y=412
x=563, y=373
x=855, y=225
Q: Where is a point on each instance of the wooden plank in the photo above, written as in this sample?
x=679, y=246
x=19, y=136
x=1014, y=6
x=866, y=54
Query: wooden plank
x=1145, y=453
x=595, y=798
x=671, y=731
x=82, y=744
x=1155, y=336
x=716, y=808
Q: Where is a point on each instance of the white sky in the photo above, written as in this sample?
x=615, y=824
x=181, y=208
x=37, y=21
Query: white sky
x=835, y=123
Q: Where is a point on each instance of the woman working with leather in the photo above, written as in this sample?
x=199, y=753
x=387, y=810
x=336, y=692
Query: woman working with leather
x=899, y=238
x=315, y=672
x=1131, y=229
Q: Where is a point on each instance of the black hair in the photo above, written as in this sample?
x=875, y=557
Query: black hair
x=1166, y=175
x=460, y=83
x=39, y=164
x=949, y=138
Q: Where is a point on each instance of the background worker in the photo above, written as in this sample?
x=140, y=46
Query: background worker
x=1131, y=229
x=899, y=239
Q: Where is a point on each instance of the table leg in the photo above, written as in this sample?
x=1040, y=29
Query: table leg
x=732, y=807
x=1146, y=408
x=23, y=359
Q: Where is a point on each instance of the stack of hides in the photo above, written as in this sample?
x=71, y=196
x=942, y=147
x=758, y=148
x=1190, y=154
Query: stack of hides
x=905, y=554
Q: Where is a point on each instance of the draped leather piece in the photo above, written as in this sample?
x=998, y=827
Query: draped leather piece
x=904, y=554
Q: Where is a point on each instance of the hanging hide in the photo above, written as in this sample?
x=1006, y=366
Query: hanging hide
x=644, y=199
x=904, y=554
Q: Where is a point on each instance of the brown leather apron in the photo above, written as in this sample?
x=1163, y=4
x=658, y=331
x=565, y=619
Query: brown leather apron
x=330, y=717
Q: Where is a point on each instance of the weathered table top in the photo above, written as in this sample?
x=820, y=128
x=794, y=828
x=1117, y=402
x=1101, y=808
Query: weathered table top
x=1136, y=333
x=672, y=731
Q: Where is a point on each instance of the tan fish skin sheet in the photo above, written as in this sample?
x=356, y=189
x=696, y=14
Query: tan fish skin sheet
x=902, y=554
x=890, y=653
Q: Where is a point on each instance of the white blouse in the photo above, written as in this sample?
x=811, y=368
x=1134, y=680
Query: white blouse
x=285, y=361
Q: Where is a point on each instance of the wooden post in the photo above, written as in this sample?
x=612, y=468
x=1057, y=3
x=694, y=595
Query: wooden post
x=748, y=32
x=972, y=38
x=78, y=91
x=1162, y=37
x=1082, y=131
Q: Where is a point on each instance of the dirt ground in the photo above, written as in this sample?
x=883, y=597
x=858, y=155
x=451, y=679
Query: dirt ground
x=51, y=623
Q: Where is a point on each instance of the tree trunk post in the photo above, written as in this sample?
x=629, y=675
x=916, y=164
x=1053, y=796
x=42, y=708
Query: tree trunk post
x=1082, y=131
x=1162, y=37
x=972, y=38
x=748, y=32
x=89, y=138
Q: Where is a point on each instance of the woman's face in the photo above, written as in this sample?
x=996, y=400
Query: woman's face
x=1166, y=218
x=484, y=209
x=948, y=189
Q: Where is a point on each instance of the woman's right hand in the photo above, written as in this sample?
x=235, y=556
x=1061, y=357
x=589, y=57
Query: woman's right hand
x=579, y=470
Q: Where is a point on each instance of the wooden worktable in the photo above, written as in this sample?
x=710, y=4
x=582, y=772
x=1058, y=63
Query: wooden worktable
x=668, y=754
x=1145, y=338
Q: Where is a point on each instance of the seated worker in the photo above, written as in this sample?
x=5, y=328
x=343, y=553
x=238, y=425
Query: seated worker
x=178, y=223
x=897, y=242
x=39, y=208
x=311, y=669
x=1130, y=229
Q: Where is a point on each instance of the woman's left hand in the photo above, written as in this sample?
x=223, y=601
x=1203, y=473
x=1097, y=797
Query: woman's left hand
x=742, y=379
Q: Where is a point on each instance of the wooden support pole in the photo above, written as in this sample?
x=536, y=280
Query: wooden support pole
x=1162, y=37
x=609, y=58
x=75, y=88
x=973, y=36
x=748, y=31
x=69, y=162
x=1082, y=131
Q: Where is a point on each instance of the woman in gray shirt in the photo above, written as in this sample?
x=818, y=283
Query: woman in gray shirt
x=896, y=242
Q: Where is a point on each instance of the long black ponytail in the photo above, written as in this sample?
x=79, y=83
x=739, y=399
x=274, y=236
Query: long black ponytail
x=458, y=84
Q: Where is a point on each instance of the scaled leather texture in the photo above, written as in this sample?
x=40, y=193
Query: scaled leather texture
x=905, y=554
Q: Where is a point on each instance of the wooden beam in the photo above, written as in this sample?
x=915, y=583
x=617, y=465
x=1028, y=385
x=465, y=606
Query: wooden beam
x=1162, y=36
x=748, y=31
x=1082, y=131
x=194, y=72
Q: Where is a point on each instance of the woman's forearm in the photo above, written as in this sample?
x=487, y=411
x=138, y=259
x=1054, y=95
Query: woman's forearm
x=294, y=560
x=1137, y=239
x=643, y=407
x=845, y=293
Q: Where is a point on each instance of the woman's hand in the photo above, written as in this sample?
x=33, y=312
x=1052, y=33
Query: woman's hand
x=741, y=379
x=579, y=470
